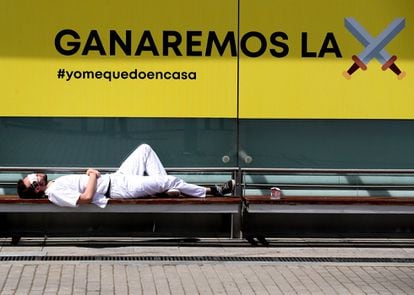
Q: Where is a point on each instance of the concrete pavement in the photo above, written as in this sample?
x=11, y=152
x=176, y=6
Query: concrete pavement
x=76, y=273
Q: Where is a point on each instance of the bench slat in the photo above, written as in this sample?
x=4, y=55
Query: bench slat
x=330, y=200
x=329, y=205
x=14, y=199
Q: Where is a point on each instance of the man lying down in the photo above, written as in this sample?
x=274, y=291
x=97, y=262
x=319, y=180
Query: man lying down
x=141, y=174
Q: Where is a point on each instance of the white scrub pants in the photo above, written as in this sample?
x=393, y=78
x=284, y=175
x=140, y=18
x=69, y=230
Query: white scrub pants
x=142, y=174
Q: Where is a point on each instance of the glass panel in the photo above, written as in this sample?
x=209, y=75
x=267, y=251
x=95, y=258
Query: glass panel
x=105, y=142
x=327, y=143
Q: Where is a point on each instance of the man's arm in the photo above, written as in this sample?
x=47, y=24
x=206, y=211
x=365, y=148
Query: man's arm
x=87, y=196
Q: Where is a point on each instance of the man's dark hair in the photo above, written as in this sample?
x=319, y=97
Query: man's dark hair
x=28, y=192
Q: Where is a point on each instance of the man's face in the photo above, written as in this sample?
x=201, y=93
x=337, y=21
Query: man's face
x=36, y=180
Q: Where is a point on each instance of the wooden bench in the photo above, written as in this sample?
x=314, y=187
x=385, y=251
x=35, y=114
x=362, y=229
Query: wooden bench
x=327, y=217
x=307, y=193
x=231, y=204
x=183, y=213
x=116, y=210
x=328, y=201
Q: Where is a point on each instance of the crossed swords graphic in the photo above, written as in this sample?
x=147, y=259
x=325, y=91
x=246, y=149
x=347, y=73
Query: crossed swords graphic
x=374, y=47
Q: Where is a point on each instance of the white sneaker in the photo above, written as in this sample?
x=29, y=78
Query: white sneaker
x=173, y=193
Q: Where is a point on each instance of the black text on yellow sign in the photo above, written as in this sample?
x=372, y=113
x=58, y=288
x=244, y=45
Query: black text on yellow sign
x=173, y=43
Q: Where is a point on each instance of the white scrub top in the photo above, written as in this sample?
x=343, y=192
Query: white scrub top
x=66, y=190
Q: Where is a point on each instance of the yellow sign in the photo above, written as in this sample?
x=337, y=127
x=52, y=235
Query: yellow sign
x=308, y=81
x=117, y=58
x=214, y=59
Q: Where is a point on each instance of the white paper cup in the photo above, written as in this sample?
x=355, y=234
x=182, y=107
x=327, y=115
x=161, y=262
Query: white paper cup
x=275, y=193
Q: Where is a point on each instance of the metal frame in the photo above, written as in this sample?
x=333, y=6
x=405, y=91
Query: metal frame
x=329, y=209
x=327, y=170
x=112, y=169
x=321, y=172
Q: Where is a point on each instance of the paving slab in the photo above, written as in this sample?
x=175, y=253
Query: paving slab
x=206, y=276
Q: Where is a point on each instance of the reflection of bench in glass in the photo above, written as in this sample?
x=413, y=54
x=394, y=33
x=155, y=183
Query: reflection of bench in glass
x=308, y=177
x=347, y=189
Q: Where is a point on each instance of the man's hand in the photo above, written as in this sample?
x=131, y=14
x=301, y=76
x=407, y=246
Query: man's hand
x=90, y=190
x=90, y=170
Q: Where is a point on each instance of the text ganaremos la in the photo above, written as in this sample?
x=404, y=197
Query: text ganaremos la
x=192, y=43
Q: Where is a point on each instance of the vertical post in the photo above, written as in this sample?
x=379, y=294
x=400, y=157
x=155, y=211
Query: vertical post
x=236, y=218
